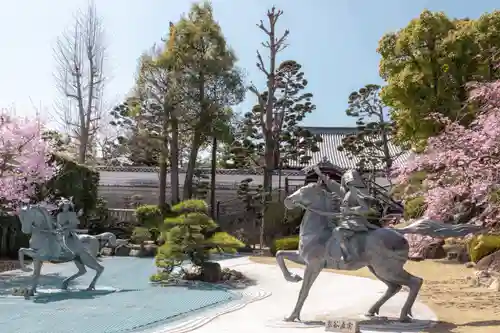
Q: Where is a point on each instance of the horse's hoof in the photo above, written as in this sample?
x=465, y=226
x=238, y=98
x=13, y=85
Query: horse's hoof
x=90, y=288
x=405, y=319
x=293, y=278
x=291, y=319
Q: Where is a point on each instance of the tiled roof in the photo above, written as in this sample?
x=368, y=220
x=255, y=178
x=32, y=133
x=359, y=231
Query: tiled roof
x=332, y=138
x=205, y=171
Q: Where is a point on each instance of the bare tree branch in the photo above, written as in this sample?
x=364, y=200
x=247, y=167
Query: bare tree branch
x=80, y=56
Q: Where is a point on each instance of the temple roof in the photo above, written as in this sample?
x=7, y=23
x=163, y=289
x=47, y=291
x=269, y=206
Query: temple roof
x=328, y=157
x=332, y=138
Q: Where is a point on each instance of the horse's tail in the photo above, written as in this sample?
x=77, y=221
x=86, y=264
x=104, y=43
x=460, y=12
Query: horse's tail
x=427, y=227
x=107, y=236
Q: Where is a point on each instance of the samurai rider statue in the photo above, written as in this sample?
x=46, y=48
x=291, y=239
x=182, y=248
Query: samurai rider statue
x=355, y=208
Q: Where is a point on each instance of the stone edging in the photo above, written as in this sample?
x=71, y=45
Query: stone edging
x=190, y=325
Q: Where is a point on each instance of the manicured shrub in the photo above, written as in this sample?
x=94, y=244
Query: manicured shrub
x=414, y=208
x=140, y=235
x=190, y=236
x=148, y=216
x=285, y=243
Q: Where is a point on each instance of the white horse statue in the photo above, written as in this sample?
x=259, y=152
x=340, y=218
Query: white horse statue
x=58, y=242
x=339, y=237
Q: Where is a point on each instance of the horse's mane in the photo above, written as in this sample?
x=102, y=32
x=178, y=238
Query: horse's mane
x=45, y=214
x=334, y=197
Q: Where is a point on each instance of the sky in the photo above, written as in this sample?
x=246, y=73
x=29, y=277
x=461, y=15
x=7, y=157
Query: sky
x=334, y=40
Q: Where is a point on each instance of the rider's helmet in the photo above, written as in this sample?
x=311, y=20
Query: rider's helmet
x=351, y=178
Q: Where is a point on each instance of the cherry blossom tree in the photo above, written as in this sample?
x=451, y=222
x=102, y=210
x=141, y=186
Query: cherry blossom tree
x=23, y=159
x=463, y=163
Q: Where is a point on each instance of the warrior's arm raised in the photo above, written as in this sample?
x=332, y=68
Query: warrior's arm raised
x=332, y=185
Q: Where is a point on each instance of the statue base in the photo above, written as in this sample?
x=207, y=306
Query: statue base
x=382, y=323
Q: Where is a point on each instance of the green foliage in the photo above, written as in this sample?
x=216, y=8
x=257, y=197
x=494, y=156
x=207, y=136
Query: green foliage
x=494, y=196
x=225, y=242
x=139, y=122
x=285, y=243
x=140, y=235
x=148, y=216
x=291, y=142
x=73, y=180
x=479, y=246
x=190, y=235
x=190, y=206
x=427, y=65
x=370, y=143
x=211, y=80
x=413, y=186
x=414, y=208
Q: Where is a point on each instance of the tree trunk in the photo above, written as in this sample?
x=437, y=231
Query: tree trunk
x=267, y=185
x=174, y=160
x=212, y=178
x=163, y=183
x=82, y=148
x=162, y=200
x=187, y=192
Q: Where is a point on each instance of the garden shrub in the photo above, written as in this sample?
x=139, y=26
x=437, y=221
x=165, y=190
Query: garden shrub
x=73, y=180
x=190, y=235
x=148, y=216
x=140, y=235
x=480, y=246
x=225, y=242
x=414, y=208
x=285, y=243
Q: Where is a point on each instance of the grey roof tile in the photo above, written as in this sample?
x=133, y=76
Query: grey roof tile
x=332, y=138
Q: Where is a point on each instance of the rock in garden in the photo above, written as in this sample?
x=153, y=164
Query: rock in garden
x=434, y=250
x=149, y=250
x=211, y=272
x=122, y=251
x=490, y=263
x=136, y=253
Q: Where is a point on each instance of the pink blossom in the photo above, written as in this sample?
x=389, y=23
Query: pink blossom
x=23, y=158
x=462, y=163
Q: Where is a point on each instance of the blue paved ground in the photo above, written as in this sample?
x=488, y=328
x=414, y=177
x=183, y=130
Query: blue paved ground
x=124, y=301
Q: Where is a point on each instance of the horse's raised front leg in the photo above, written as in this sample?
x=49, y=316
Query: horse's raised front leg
x=311, y=273
x=81, y=271
x=21, y=254
x=37, y=269
x=292, y=256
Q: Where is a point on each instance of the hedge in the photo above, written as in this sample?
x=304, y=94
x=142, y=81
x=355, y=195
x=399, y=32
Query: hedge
x=285, y=243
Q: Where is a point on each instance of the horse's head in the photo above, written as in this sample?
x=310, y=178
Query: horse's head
x=66, y=205
x=26, y=216
x=33, y=215
x=309, y=195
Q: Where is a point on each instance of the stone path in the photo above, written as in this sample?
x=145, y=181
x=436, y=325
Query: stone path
x=332, y=295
